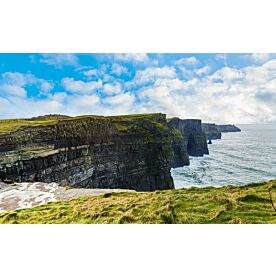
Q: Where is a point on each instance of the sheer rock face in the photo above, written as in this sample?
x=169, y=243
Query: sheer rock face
x=180, y=156
x=211, y=131
x=192, y=130
x=130, y=152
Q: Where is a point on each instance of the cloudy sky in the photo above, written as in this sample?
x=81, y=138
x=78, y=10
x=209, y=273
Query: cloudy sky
x=222, y=88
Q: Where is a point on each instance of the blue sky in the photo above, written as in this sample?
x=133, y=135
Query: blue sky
x=222, y=88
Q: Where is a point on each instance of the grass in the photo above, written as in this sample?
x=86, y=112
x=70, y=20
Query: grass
x=135, y=116
x=12, y=125
x=230, y=204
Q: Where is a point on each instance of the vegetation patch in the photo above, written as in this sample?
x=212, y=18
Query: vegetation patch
x=243, y=204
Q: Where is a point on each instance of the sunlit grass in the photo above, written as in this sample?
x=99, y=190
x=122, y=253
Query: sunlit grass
x=245, y=204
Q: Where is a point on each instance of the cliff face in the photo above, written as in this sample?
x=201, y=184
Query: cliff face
x=134, y=152
x=192, y=130
x=180, y=156
x=228, y=128
x=214, y=131
x=211, y=131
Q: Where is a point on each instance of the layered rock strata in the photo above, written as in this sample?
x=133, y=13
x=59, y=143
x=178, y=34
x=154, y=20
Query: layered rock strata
x=129, y=152
x=192, y=130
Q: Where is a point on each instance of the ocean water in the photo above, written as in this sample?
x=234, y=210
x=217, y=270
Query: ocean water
x=238, y=158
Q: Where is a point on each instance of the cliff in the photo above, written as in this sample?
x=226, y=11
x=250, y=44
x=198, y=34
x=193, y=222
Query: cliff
x=192, y=130
x=214, y=131
x=228, y=128
x=130, y=152
x=211, y=131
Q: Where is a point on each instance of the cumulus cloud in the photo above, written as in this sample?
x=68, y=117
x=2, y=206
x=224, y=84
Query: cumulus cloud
x=122, y=99
x=227, y=95
x=110, y=89
x=120, y=104
x=132, y=58
x=46, y=86
x=151, y=74
x=190, y=61
x=203, y=70
x=118, y=69
x=59, y=60
x=12, y=90
x=14, y=83
x=91, y=72
x=18, y=107
x=16, y=78
x=86, y=101
x=78, y=86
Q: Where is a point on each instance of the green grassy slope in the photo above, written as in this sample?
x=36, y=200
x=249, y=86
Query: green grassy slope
x=246, y=204
x=11, y=125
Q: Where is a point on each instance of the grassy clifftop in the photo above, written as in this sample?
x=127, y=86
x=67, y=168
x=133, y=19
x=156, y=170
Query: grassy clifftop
x=12, y=125
x=246, y=204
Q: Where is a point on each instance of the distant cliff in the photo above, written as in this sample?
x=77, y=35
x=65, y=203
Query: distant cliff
x=133, y=152
x=211, y=131
x=214, y=131
x=228, y=128
x=192, y=129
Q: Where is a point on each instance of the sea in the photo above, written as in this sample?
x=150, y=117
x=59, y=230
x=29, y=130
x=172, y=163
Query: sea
x=237, y=159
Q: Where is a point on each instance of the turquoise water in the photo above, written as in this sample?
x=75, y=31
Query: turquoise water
x=239, y=158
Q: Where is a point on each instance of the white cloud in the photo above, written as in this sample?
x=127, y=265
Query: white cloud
x=227, y=74
x=203, y=70
x=46, y=87
x=132, y=57
x=21, y=80
x=85, y=101
x=151, y=74
x=118, y=69
x=261, y=57
x=92, y=72
x=18, y=107
x=229, y=95
x=16, y=78
x=79, y=86
x=12, y=90
x=126, y=99
x=190, y=61
x=59, y=60
x=111, y=89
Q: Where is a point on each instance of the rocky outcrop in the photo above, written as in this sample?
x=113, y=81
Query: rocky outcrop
x=211, y=131
x=228, y=128
x=129, y=152
x=192, y=130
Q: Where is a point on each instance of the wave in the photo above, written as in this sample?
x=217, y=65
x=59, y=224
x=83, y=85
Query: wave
x=238, y=159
